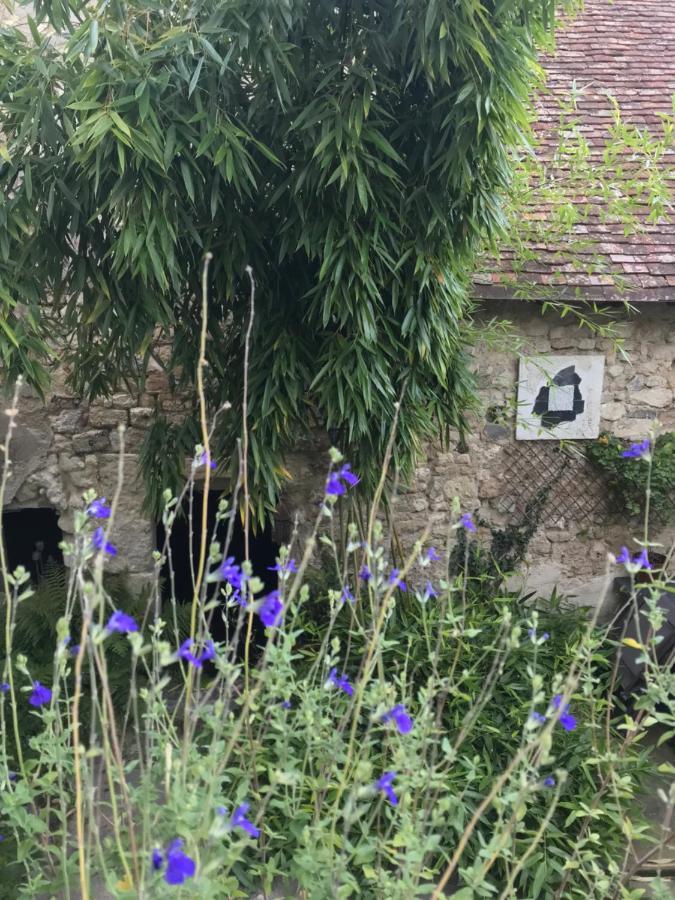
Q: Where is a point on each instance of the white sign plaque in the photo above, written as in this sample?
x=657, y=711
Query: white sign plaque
x=559, y=398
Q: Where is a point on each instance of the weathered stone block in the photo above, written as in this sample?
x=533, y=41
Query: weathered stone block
x=658, y=397
x=141, y=415
x=613, y=411
x=100, y=417
x=67, y=421
x=91, y=441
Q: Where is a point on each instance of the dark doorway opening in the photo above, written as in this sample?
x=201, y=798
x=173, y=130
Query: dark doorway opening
x=32, y=538
x=262, y=550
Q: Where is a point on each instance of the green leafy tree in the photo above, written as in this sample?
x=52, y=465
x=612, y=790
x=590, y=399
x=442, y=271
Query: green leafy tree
x=352, y=152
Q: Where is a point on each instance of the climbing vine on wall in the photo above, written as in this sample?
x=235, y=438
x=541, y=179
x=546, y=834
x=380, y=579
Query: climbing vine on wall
x=627, y=477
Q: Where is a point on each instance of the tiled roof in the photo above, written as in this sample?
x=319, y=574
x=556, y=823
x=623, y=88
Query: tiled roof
x=626, y=49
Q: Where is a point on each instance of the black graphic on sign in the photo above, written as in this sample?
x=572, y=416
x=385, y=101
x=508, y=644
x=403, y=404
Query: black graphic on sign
x=560, y=400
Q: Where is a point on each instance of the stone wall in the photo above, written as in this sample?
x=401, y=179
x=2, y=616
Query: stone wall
x=63, y=446
x=568, y=550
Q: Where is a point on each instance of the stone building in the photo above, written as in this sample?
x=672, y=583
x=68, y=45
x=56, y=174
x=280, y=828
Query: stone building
x=63, y=445
x=622, y=49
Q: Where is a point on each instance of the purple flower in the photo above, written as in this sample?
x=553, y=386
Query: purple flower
x=384, y=783
x=466, y=521
x=637, y=451
x=13, y=776
x=568, y=722
x=271, y=610
x=532, y=632
x=99, y=509
x=282, y=568
x=640, y=560
x=239, y=820
x=99, y=542
x=185, y=652
x=346, y=595
x=121, y=622
x=365, y=574
x=40, y=695
x=400, y=717
x=538, y=717
x=549, y=782
x=4, y=687
x=432, y=555
x=341, y=682
x=396, y=581
x=179, y=866
x=286, y=704
x=335, y=484
x=157, y=859
x=74, y=650
x=230, y=571
x=429, y=591
x=208, y=653
x=204, y=459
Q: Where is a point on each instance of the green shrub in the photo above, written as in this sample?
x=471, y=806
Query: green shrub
x=308, y=749
x=628, y=482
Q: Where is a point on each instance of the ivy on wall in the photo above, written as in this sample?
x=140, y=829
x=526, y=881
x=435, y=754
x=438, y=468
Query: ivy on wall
x=628, y=478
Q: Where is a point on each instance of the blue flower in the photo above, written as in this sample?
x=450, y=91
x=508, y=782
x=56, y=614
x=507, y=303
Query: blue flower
x=623, y=556
x=429, y=591
x=637, y=451
x=549, y=782
x=99, y=542
x=179, y=866
x=230, y=571
x=640, y=560
x=538, y=717
x=466, y=521
x=208, y=653
x=4, y=687
x=397, y=581
x=346, y=595
x=74, y=650
x=157, y=859
x=365, y=574
x=40, y=695
x=239, y=820
x=532, y=632
x=568, y=722
x=99, y=509
x=271, y=610
x=204, y=458
x=282, y=568
x=341, y=682
x=335, y=484
x=400, y=717
x=384, y=783
x=286, y=704
x=121, y=622
x=185, y=652
x=432, y=555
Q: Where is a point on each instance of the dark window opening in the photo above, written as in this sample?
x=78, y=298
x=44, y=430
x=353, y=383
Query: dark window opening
x=32, y=538
x=262, y=551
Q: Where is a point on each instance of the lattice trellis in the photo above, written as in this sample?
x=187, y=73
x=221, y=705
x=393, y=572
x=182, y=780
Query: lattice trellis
x=577, y=491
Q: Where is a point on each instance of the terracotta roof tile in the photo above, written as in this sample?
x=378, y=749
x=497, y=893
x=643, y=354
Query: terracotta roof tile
x=625, y=48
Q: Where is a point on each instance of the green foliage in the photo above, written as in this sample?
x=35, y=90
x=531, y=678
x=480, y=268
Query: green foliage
x=353, y=153
x=35, y=638
x=628, y=478
x=270, y=730
x=487, y=567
